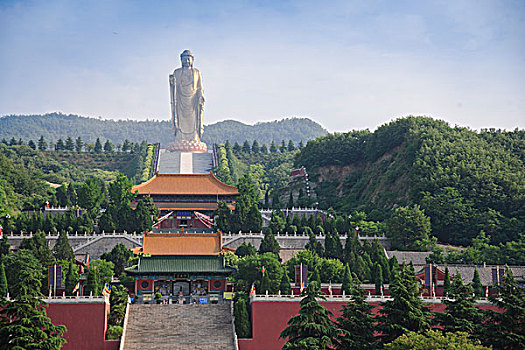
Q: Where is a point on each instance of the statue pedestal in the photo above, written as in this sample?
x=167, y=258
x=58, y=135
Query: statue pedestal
x=188, y=146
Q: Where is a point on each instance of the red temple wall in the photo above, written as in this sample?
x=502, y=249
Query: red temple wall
x=270, y=318
x=86, y=325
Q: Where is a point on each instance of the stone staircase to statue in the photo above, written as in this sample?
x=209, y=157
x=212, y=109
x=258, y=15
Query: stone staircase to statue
x=184, y=162
x=173, y=326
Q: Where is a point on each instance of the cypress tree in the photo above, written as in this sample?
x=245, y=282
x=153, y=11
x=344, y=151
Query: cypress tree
x=242, y=322
x=338, y=247
x=446, y=282
x=356, y=323
x=284, y=286
x=312, y=327
x=290, y=201
x=476, y=284
x=3, y=282
x=62, y=249
x=347, y=285
x=313, y=244
x=378, y=278
x=93, y=281
x=329, y=246
x=460, y=314
x=71, y=277
x=269, y=244
x=406, y=311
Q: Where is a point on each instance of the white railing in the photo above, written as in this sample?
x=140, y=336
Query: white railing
x=124, y=327
x=294, y=234
x=347, y=298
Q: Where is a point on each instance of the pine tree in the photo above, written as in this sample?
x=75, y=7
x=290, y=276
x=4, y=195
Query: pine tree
x=236, y=148
x=301, y=145
x=71, y=277
x=291, y=146
x=62, y=249
x=506, y=328
x=79, y=144
x=255, y=147
x=60, y=145
x=273, y=148
x=3, y=282
x=312, y=327
x=460, y=314
x=98, y=146
x=264, y=149
x=23, y=320
x=284, y=286
x=242, y=322
x=282, y=147
x=446, y=282
x=108, y=147
x=356, y=323
x=126, y=146
x=70, y=145
x=31, y=144
x=406, y=311
x=476, y=284
x=246, y=147
x=42, y=144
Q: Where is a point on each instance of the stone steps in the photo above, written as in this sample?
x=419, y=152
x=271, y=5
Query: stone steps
x=174, y=326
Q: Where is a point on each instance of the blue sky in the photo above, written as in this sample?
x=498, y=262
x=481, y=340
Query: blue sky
x=346, y=64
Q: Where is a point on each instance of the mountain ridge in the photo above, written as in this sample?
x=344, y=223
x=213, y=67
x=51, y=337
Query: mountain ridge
x=58, y=125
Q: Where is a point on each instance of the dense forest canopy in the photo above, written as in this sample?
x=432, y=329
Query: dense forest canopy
x=466, y=181
x=56, y=125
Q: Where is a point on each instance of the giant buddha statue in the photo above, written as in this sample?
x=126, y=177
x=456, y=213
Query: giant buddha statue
x=187, y=105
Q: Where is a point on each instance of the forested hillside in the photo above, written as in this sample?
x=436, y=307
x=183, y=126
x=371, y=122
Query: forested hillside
x=26, y=173
x=55, y=126
x=466, y=181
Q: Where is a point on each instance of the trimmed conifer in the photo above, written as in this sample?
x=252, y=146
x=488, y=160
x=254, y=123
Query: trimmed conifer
x=356, y=323
x=242, y=322
x=284, y=286
x=460, y=314
x=347, y=285
x=446, y=282
x=3, y=281
x=312, y=327
x=406, y=311
x=477, y=286
x=62, y=249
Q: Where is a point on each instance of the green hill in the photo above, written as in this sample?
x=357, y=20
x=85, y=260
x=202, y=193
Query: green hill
x=55, y=125
x=466, y=181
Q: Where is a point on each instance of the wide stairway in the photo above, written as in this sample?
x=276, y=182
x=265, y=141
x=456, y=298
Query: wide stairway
x=184, y=162
x=176, y=326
